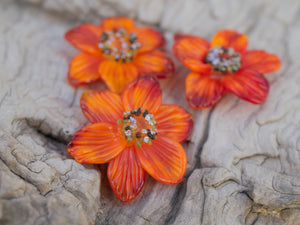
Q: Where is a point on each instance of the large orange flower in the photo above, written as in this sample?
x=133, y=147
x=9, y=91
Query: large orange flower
x=223, y=66
x=136, y=134
x=117, y=52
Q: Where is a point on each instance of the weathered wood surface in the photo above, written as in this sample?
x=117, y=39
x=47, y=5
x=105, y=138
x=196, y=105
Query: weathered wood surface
x=244, y=161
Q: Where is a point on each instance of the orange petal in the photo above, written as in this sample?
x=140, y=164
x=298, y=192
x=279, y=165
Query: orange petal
x=230, y=39
x=117, y=75
x=154, y=63
x=260, y=61
x=144, y=93
x=164, y=160
x=179, y=36
x=191, y=51
x=149, y=39
x=126, y=175
x=84, y=69
x=96, y=143
x=174, y=121
x=101, y=106
x=86, y=38
x=248, y=85
x=202, y=91
x=117, y=23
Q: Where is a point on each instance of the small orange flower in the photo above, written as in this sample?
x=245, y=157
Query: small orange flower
x=117, y=52
x=223, y=66
x=134, y=133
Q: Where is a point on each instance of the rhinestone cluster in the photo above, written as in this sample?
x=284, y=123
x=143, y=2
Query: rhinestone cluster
x=119, y=45
x=138, y=126
x=223, y=60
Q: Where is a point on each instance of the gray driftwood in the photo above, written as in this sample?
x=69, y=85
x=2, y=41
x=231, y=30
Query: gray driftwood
x=243, y=159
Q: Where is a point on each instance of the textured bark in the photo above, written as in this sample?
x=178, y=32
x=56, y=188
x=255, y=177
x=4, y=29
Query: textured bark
x=243, y=159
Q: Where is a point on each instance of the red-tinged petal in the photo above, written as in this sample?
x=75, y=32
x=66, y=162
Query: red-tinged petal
x=117, y=23
x=202, y=91
x=154, y=63
x=86, y=38
x=84, y=69
x=174, y=121
x=126, y=175
x=248, y=85
x=149, y=39
x=101, y=106
x=117, y=75
x=260, y=61
x=179, y=36
x=230, y=39
x=144, y=93
x=164, y=160
x=96, y=143
x=191, y=51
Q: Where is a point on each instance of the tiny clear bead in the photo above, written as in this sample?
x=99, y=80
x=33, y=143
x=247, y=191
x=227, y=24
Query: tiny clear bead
x=147, y=117
x=132, y=120
x=146, y=139
x=133, y=126
x=152, y=123
x=144, y=131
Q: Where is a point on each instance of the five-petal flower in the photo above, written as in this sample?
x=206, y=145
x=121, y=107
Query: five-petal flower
x=136, y=134
x=223, y=66
x=117, y=52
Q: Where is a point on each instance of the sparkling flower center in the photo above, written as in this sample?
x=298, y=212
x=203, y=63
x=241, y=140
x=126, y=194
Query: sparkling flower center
x=223, y=60
x=138, y=126
x=119, y=45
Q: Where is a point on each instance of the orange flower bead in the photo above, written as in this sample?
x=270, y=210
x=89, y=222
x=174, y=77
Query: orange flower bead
x=135, y=134
x=223, y=66
x=117, y=52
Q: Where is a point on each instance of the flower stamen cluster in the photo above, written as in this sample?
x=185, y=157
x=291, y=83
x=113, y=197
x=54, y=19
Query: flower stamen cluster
x=119, y=45
x=224, y=60
x=138, y=126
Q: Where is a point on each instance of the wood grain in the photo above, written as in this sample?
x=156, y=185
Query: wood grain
x=243, y=159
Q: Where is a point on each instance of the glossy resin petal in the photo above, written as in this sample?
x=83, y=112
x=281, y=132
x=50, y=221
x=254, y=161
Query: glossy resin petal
x=230, y=39
x=260, y=61
x=126, y=175
x=96, y=143
x=101, y=106
x=84, y=69
x=155, y=63
x=117, y=23
x=144, y=93
x=149, y=39
x=164, y=160
x=86, y=38
x=248, y=85
x=174, y=121
x=191, y=51
x=203, y=91
x=117, y=75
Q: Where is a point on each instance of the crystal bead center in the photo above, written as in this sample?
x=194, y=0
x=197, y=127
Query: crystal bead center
x=223, y=60
x=119, y=45
x=139, y=126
